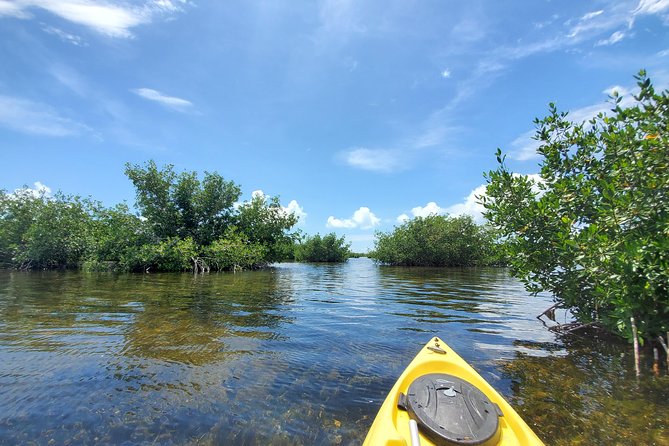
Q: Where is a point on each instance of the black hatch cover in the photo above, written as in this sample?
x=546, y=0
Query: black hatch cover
x=452, y=411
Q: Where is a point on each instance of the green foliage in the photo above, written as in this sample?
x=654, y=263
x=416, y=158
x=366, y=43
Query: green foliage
x=435, y=241
x=172, y=254
x=60, y=234
x=117, y=230
x=186, y=224
x=18, y=211
x=595, y=230
x=180, y=205
x=328, y=248
x=263, y=221
x=235, y=252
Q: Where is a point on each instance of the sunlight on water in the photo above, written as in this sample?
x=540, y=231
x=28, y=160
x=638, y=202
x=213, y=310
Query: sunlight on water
x=298, y=354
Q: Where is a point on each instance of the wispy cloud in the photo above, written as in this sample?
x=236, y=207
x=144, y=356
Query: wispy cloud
x=524, y=147
x=375, y=160
x=614, y=38
x=110, y=18
x=603, y=26
x=434, y=135
x=171, y=102
x=72, y=79
x=600, y=27
x=340, y=18
x=652, y=7
x=64, y=36
x=592, y=15
x=36, y=118
x=363, y=218
x=13, y=9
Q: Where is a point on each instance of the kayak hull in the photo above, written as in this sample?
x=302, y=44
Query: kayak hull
x=391, y=425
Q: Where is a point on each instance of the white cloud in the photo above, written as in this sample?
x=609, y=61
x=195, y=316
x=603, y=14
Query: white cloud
x=446, y=73
x=663, y=53
x=621, y=91
x=38, y=190
x=651, y=7
x=171, y=102
x=597, y=26
x=377, y=160
x=431, y=208
x=470, y=206
x=592, y=14
x=13, y=9
x=64, y=36
x=614, y=38
x=295, y=209
x=524, y=147
x=113, y=19
x=363, y=218
x=433, y=136
x=36, y=118
x=340, y=223
x=292, y=208
x=598, y=22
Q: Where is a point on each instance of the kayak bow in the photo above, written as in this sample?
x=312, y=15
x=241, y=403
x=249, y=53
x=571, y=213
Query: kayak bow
x=451, y=404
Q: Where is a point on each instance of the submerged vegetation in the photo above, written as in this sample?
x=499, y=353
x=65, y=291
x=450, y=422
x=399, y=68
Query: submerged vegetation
x=594, y=230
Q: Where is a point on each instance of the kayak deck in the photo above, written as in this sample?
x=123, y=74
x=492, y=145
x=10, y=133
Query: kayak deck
x=391, y=425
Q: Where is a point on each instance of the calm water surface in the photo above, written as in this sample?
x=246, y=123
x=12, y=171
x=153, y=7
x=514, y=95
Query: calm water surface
x=298, y=354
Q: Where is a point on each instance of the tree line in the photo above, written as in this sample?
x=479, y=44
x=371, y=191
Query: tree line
x=184, y=223
x=187, y=222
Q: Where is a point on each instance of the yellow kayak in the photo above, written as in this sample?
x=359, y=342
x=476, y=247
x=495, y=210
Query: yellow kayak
x=442, y=400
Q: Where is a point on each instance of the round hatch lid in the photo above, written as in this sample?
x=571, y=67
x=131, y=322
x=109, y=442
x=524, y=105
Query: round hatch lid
x=452, y=411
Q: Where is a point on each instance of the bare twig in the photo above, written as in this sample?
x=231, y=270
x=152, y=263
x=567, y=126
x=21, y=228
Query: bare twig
x=549, y=313
x=635, y=340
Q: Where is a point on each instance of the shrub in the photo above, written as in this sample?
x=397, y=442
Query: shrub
x=435, y=241
x=328, y=248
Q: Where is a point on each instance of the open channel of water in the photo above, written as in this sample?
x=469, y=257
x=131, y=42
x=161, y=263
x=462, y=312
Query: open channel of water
x=296, y=354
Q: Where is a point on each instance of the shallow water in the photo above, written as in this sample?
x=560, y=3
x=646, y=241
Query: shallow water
x=297, y=354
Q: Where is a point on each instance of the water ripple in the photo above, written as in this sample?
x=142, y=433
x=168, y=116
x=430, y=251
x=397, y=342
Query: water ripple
x=298, y=354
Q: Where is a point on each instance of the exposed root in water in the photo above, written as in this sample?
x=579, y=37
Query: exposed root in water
x=568, y=327
x=199, y=265
x=573, y=327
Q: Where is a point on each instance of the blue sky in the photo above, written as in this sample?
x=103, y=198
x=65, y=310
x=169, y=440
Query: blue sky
x=357, y=114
